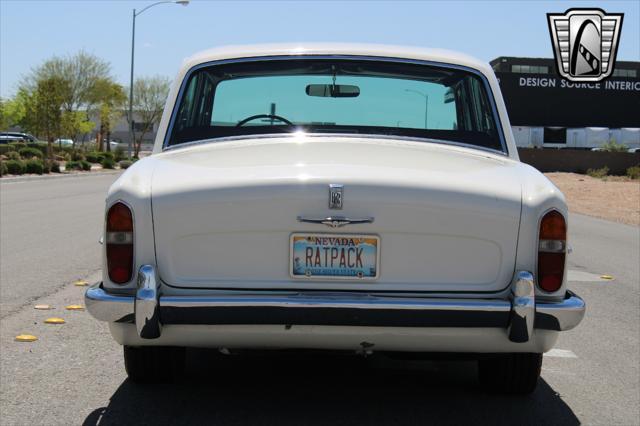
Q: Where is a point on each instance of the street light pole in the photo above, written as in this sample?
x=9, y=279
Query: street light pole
x=133, y=45
x=426, y=104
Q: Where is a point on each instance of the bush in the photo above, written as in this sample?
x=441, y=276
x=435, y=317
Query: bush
x=119, y=154
x=598, y=173
x=86, y=166
x=107, y=154
x=613, y=146
x=77, y=156
x=3, y=168
x=13, y=155
x=73, y=165
x=55, y=167
x=29, y=152
x=15, y=167
x=34, y=166
x=42, y=147
x=108, y=163
x=125, y=164
x=634, y=172
x=6, y=148
x=93, y=157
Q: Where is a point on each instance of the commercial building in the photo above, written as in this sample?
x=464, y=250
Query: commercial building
x=547, y=110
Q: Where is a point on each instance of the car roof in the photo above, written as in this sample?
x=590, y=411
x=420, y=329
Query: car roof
x=338, y=49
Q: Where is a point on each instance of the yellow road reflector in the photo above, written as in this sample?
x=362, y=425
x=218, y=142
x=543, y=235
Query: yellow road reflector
x=26, y=338
x=42, y=307
x=74, y=308
x=81, y=283
x=606, y=277
x=54, y=320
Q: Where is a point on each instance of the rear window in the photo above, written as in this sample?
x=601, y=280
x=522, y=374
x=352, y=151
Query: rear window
x=335, y=96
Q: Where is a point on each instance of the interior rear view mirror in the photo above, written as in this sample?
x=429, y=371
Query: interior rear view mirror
x=333, y=90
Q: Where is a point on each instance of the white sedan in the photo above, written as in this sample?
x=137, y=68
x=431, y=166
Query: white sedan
x=340, y=197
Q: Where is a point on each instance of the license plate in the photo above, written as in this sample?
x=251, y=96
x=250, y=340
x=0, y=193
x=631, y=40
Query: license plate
x=334, y=256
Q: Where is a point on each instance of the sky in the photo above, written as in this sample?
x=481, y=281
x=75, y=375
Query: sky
x=32, y=31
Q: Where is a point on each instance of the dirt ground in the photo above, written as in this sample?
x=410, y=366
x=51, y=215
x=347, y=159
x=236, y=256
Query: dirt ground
x=612, y=198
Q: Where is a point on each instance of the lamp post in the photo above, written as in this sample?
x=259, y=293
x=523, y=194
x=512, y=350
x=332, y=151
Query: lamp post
x=133, y=43
x=426, y=104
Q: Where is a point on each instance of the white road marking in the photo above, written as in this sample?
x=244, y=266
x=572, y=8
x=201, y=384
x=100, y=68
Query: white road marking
x=560, y=353
x=573, y=275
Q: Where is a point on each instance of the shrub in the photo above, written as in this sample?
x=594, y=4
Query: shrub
x=107, y=154
x=42, y=147
x=86, y=166
x=3, y=168
x=119, y=154
x=55, y=167
x=598, y=173
x=15, y=167
x=77, y=156
x=93, y=157
x=13, y=155
x=634, y=172
x=34, y=166
x=73, y=165
x=28, y=152
x=613, y=146
x=125, y=164
x=6, y=148
x=108, y=163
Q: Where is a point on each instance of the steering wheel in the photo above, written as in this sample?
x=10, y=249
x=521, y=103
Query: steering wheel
x=271, y=116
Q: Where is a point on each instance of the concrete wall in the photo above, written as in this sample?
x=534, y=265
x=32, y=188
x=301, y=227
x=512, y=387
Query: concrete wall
x=577, y=160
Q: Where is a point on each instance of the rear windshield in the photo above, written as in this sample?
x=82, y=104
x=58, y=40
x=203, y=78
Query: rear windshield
x=335, y=96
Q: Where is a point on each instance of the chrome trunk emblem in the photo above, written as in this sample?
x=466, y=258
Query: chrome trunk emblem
x=335, y=221
x=336, y=195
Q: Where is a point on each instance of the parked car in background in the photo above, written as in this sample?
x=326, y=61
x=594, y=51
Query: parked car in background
x=7, y=137
x=63, y=142
x=340, y=197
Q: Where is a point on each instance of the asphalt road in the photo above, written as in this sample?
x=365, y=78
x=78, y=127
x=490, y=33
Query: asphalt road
x=74, y=373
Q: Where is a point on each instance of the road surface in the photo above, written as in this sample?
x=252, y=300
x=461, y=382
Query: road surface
x=74, y=373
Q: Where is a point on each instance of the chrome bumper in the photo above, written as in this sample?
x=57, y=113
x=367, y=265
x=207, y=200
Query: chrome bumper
x=519, y=315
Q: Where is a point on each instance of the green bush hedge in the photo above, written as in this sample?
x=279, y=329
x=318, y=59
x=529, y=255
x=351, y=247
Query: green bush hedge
x=34, y=166
x=634, y=172
x=107, y=154
x=77, y=156
x=3, y=168
x=13, y=155
x=108, y=163
x=15, y=167
x=86, y=166
x=119, y=154
x=29, y=152
x=55, y=167
x=6, y=148
x=93, y=157
x=125, y=164
x=73, y=165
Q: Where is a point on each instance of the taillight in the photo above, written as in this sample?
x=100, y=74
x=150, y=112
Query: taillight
x=119, y=239
x=552, y=248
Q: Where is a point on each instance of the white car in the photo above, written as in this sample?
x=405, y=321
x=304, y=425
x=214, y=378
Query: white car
x=63, y=142
x=340, y=197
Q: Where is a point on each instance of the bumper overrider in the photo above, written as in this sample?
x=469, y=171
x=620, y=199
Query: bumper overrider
x=519, y=315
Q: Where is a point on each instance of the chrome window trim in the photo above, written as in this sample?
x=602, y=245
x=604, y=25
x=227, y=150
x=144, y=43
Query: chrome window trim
x=483, y=78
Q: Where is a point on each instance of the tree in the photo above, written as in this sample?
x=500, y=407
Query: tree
x=82, y=72
x=12, y=111
x=149, y=97
x=109, y=99
x=44, y=108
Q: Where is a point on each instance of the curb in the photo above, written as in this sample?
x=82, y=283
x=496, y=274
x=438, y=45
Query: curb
x=56, y=176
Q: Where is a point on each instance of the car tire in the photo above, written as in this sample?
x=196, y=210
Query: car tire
x=514, y=373
x=153, y=364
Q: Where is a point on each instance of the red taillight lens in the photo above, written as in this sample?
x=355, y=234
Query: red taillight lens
x=552, y=249
x=119, y=239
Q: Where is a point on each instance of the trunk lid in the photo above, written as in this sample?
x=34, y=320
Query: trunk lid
x=447, y=217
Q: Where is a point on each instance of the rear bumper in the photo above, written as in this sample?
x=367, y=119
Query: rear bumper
x=518, y=315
